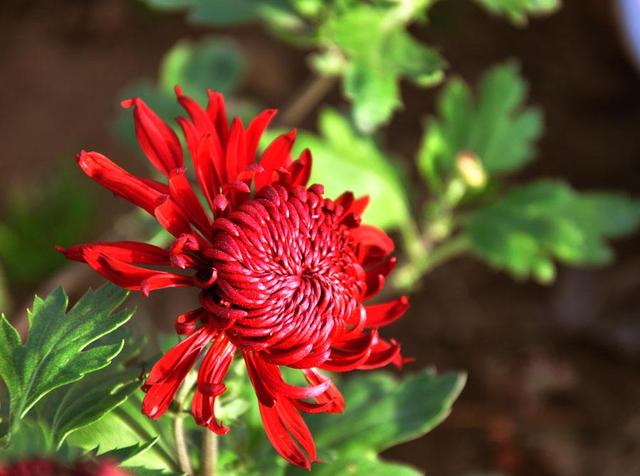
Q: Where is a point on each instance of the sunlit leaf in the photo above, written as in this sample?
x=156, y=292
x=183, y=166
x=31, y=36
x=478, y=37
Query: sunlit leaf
x=518, y=10
x=126, y=426
x=57, y=351
x=87, y=400
x=494, y=125
x=379, y=53
x=213, y=62
x=535, y=224
x=221, y=12
x=343, y=159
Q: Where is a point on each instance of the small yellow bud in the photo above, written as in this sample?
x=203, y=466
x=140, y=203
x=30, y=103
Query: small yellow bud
x=471, y=170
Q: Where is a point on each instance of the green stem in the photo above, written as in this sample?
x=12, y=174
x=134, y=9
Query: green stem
x=178, y=425
x=419, y=264
x=209, y=453
x=306, y=101
x=181, y=444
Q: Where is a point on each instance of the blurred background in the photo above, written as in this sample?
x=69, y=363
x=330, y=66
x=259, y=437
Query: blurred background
x=554, y=371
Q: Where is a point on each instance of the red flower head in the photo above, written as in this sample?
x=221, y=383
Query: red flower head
x=283, y=271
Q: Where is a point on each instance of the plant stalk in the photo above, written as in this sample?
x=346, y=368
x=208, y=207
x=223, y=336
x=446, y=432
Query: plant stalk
x=209, y=453
x=307, y=100
x=181, y=444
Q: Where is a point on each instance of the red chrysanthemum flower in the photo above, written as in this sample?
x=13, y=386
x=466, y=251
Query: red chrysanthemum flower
x=49, y=467
x=283, y=271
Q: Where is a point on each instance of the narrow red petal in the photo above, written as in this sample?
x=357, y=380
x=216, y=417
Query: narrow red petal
x=381, y=315
x=169, y=372
x=118, y=180
x=255, y=129
x=129, y=251
x=158, y=141
x=184, y=196
x=276, y=155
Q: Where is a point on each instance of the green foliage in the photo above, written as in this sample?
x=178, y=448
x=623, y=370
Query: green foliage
x=378, y=52
x=223, y=12
x=36, y=217
x=58, y=349
x=535, y=223
x=495, y=126
x=126, y=426
x=381, y=412
x=343, y=159
x=518, y=10
x=79, y=404
x=210, y=63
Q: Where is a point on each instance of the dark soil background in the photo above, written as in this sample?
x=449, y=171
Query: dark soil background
x=554, y=386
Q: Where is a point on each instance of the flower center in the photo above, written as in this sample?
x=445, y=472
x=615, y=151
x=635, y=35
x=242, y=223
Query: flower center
x=285, y=259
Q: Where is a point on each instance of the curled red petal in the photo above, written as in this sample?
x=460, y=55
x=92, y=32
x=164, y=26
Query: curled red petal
x=184, y=196
x=129, y=251
x=287, y=432
x=373, y=244
x=382, y=354
x=381, y=315
x=158, y=141
x=218, y=114
x=276, y=155
x=254, y=132
x=169, y=372
x=119, y=181
x=132, y=277
x=211, y=374
x=300, y=170
x=172, y=218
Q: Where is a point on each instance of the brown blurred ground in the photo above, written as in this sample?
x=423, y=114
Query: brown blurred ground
x=554, y=386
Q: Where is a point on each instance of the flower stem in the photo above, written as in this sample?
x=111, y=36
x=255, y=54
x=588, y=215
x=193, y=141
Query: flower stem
x=306, y=101
x=407, y=276
x=181, y=444
x=209, y=453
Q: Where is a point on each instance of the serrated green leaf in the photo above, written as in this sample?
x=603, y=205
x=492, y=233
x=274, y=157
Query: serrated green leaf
x=518, y=10
x=122, y=455
x=126, y=426
x=79, y=404
x=546, y=220
x=56, y=352
x=382, y=412
x=495, y=126
x=379, y=53
x=344, y=160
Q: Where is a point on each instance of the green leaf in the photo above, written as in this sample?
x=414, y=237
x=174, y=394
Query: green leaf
x=382, y=412
x=29, y=439
x=495, y=126
x=221, y=12
x=77, y=405
x=344, y=160
x=536, y=223
x=57, y=351
x=379, y=52
x=518, y=10
x=122, y=455
x=126, y=426
x=364, y=464
x=214, y=62
x=38, y=215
